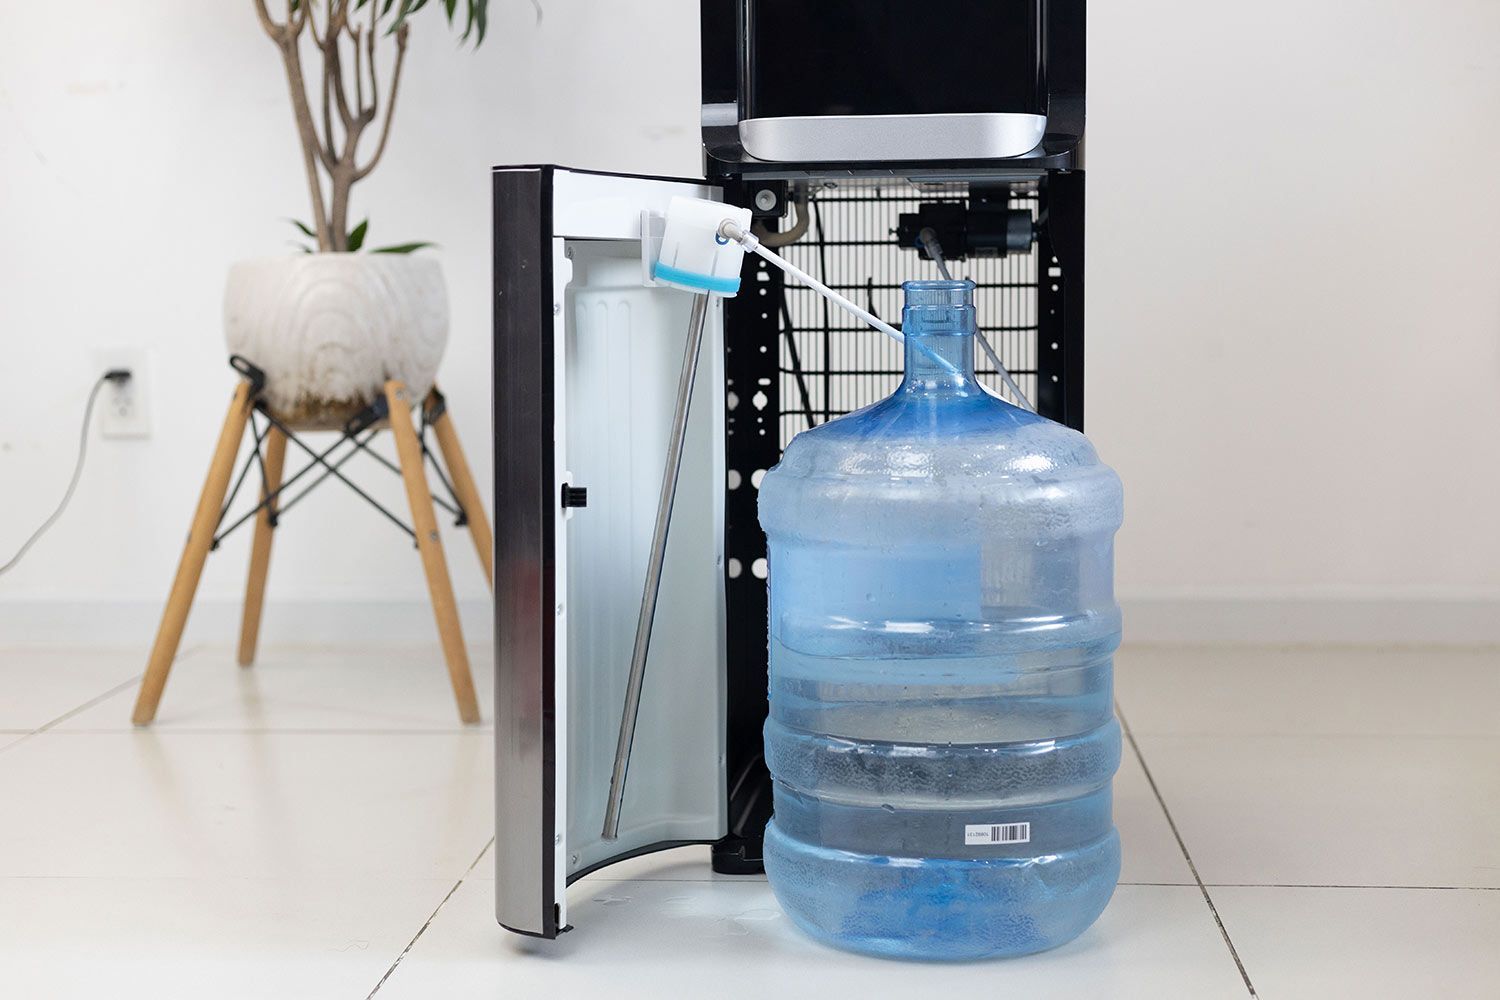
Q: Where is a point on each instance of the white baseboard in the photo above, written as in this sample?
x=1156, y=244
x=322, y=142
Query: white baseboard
x=301, y=622
x=1154, y=619
x=1383, y=620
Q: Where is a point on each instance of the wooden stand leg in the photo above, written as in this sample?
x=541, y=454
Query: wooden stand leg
x=200, y=538
x=463, y=484
x=424, y=522
x=260, y=549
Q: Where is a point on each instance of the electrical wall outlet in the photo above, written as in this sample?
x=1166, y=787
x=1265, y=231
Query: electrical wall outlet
x=123, y=410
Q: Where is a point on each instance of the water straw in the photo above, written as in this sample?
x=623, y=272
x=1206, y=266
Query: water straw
x=929, y=241
x=752, y=244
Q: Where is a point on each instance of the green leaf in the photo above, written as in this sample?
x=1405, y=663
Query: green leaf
x=405, y=247
x=402, y=9
x=406, y=9
x=481, y=10
x=476, y=14
x=357, y=235
x=304, y=228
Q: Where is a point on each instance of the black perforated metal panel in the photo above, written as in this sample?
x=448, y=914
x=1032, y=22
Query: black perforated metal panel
x=831, y=363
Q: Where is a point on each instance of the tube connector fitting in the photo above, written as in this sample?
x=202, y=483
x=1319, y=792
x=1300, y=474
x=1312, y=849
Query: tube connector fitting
x=733, y=233
x=693, y=254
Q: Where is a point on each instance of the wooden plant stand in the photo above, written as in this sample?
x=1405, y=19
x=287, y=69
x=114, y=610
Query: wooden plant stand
x=392, y=411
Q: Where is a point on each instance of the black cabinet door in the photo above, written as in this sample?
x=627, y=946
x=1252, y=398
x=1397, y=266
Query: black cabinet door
x=586, y=358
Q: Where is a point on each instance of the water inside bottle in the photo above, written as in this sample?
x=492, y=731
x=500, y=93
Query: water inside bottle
x=941, y=736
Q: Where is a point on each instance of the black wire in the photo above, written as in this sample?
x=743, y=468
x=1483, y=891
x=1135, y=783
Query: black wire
x=333, y=471
x=83, y=446
x=796, y=360
x=827, y=310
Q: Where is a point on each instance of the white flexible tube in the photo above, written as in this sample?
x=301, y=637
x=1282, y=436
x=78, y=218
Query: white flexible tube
x=752, y=244
x=1010, y=383
x=929, y=242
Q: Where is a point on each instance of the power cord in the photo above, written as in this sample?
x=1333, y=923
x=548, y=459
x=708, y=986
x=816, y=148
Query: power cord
x=116, y=375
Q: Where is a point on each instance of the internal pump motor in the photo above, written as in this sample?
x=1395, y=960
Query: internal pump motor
x=985, y=226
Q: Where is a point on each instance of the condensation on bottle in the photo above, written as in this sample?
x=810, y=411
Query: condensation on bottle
x=941, y=737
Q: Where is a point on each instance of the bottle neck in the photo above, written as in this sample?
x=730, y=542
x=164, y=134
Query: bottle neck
x=938, y=324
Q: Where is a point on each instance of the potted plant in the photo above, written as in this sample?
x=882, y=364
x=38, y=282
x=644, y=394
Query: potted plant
x=331, y=325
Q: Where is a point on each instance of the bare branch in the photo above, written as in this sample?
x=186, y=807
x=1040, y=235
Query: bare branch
x=335, y=152
x=325, y=149
x=271, y=27
x=312, y=25
x=357, y=116
x=390, y=106
x=333, y=68
x=296, y=21
x=291, y=59
x=359, y=71
x=370, y=58
x=338, y=17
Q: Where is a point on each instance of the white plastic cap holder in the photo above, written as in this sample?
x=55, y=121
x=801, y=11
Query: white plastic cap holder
x=693, y=254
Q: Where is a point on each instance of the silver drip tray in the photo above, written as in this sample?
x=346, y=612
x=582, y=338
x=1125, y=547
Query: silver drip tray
x=831, y=138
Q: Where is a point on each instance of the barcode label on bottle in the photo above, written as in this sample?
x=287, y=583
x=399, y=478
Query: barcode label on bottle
x=997, y=833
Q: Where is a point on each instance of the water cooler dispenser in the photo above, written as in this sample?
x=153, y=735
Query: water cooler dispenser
x=868, y=141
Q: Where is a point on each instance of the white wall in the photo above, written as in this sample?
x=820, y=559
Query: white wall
x=145, y=146
x=1294, y=294
x=1294, y=289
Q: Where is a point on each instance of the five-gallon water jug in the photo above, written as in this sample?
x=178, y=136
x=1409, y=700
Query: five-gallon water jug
x=942, y=736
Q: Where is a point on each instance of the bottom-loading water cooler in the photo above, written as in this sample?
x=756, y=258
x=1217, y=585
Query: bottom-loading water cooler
x=926, y=678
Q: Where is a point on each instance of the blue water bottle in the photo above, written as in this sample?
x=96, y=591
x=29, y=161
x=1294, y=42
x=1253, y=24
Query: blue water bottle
x=942, y=736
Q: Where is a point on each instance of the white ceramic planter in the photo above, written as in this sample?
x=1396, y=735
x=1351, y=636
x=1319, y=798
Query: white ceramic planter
x=329, y=329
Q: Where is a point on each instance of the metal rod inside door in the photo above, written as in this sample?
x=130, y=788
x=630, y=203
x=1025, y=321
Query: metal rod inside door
x=689, y=375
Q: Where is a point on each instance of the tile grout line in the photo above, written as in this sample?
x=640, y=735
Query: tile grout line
x=1182, y=845
x=271, y=731
x=1305, y=885
x=191, y=651
x=423, y=930
x=1350, y=885
x=97, y=699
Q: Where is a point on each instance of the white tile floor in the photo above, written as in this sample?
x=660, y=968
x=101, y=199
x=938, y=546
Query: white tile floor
x=320, y=827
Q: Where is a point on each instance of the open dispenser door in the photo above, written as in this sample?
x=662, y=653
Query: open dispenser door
x=586, y=361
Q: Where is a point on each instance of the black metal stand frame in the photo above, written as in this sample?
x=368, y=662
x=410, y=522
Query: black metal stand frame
x=752, y=363
x=762, y=345
x=358, y=431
